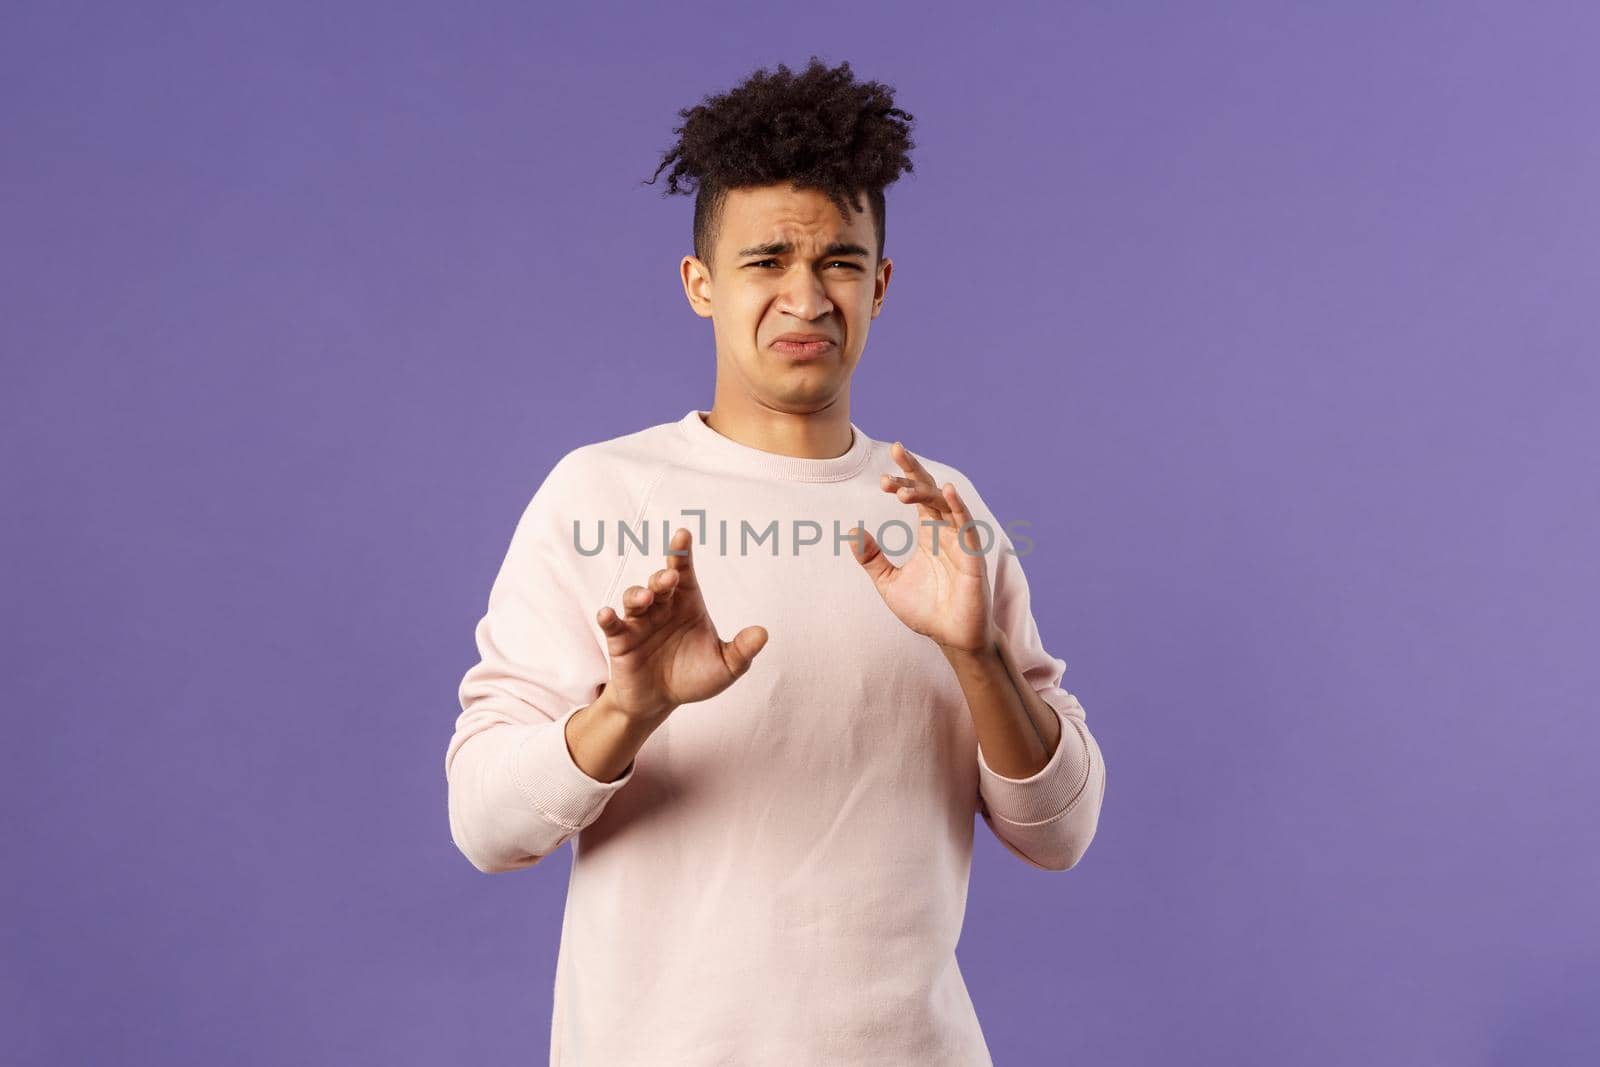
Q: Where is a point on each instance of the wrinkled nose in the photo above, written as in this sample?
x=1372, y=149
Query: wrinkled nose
x=804, y=296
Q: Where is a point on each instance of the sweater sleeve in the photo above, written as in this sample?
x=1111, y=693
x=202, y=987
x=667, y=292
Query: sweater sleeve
x=514, y=792
x=1047, y=820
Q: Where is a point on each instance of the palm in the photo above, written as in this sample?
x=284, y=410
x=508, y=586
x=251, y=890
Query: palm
x=664, y=648
x=681, y=657
x=941, y=590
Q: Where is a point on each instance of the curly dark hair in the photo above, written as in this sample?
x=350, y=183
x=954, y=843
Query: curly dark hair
x=819, y=129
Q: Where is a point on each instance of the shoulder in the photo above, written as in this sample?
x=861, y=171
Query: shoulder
x=618, y=469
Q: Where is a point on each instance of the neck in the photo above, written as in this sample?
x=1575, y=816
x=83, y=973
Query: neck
x=821, y=434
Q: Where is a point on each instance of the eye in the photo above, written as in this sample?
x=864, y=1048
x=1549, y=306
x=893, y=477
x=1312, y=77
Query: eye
x=836, y=263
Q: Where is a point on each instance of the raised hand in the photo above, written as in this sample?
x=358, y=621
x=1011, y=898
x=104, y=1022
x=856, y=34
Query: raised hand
x=942, y=589
x=664, y=648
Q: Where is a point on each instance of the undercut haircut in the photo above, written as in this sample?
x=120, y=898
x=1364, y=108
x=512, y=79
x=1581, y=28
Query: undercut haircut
x=819, y=129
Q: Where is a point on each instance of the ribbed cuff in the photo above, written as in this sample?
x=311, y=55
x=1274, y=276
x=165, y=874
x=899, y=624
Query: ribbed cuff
x=1049, y=793
x=546, y=776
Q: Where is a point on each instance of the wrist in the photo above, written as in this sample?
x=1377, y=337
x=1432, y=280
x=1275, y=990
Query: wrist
x=987, y=648
x=627, y=720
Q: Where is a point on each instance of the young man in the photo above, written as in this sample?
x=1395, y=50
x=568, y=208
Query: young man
x=772, y=834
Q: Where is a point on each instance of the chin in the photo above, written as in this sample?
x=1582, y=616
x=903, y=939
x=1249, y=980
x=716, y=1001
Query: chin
x=805, y=398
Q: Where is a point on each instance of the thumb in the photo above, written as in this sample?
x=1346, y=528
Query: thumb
x=739, y=652
x=870, y=556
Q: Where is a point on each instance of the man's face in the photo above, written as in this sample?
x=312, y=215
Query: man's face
x=786, y=262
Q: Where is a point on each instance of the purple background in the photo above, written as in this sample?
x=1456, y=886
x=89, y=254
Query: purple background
x=1278, y=324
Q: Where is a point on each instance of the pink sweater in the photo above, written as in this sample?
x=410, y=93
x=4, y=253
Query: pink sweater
x=781, y=876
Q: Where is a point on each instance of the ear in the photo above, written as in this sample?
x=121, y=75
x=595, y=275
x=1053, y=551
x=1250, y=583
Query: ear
x=696, y=285
x=881, y=285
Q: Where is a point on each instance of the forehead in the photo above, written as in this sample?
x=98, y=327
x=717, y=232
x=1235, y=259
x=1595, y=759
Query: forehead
x=782, y=212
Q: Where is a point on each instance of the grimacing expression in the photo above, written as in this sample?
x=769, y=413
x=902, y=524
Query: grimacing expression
x=786, y=262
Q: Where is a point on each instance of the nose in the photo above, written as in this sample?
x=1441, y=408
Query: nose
x=803, y=296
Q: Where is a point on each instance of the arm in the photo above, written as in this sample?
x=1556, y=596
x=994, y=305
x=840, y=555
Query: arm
x=1041, y=795
x=536, y=753
x=1041, y=776
x=1017, y=731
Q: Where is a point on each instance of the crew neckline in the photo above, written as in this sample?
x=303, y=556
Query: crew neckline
x=775, y=464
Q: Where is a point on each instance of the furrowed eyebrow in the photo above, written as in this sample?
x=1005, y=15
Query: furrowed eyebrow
x=783, y=248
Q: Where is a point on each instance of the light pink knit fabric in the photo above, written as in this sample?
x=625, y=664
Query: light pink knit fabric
x=781, y=876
